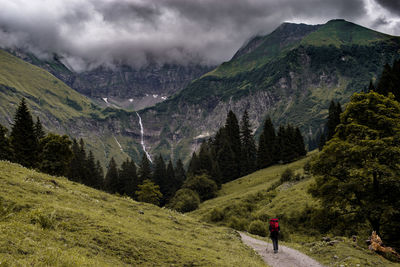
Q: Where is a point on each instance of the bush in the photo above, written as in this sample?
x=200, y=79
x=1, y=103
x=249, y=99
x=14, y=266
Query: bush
x=238, y=223
x=185, y=200
x=307, y=167
x=203, y=185
x=217, y=215
x=287, y=176
x=46, y=221
x=258, y=227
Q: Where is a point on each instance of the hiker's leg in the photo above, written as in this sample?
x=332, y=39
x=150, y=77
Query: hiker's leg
x=274, y=242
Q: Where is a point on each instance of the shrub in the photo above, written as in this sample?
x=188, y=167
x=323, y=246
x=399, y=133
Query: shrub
x=307, y=167
x=217, y=215
x=203, y=185
x=287, y=175
x=46, y=221
x=237, y=223
x=184, y=200
x=258, y=227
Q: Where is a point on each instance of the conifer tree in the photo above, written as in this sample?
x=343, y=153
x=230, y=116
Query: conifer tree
x=128, y=178
x=205, y=158
x=100, y=176
x=300, y=148
x=94, y=176
x=23, y=139
x=180, y=174
x=322, y=141
x=56, y=154
x=248, y=146
x=144, y=169
x=264, y=158
x=112, y=178
x=172, y=185
x=5, y=146
x=226, y=162
x=149, y=192
x=159, y=177
x=333, y=119
x=267, y=145
x=232, y=131
x=39, y=132
x=194, y=165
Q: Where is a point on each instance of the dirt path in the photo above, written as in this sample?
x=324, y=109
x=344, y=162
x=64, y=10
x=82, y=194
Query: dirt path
x=287, y=257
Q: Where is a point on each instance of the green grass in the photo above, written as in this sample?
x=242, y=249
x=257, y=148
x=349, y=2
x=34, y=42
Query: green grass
x=50, y=221
x=251, y=198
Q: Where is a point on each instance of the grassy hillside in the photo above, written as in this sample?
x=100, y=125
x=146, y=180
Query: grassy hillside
x=50, y=221
x=248, y=199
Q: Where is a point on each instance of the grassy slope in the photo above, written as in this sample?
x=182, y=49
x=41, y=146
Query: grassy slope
x=50, y=221
x=57, y=105
x=249, y=192
x=42, y=90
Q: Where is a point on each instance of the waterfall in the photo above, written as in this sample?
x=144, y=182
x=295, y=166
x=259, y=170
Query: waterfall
x=142, y=139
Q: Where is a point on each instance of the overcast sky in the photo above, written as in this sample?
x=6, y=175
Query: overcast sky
x=92, y=32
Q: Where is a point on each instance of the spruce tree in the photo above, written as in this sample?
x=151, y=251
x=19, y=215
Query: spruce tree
x=144, y=169
x=56, y=154
x=180, y=174
x=172, y=184
x=112, y=178
x=300, y=147
x=205, y=158
x=232, y=131
x=333, y=119
x=5, y=146
x=94, y=172
x=226, y=162
x=159, y=177
x=39, y=132
x=263, y=157
x=194, y=165
x=128, y=178
x=99, y=175
x=23, y=139
x=248, y=146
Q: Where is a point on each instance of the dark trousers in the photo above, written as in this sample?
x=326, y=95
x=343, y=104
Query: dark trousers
x=275, y=242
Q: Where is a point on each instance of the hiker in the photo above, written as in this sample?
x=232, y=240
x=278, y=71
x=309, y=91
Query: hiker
x=274, y=232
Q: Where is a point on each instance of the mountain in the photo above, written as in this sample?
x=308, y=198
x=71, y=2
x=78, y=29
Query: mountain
x=291, y=74
x=52, y=221
x=122, y=85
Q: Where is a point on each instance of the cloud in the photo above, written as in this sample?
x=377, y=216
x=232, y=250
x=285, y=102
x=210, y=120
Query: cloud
x=89, y=33
x=391, y=5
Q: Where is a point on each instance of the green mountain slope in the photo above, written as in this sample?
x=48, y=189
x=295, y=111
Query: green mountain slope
x=251, y=198
x=50, y=221
x=291, y=74
x=65, y=111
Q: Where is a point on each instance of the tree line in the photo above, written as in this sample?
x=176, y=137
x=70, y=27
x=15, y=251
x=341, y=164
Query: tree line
x=233, y=152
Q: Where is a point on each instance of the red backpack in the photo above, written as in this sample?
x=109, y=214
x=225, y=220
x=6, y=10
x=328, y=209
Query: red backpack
x=274, y=225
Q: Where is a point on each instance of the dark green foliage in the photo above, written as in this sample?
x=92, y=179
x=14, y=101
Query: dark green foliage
x=194, y=165
x=148, y=192
x=232, y=132
x=144, y=169
x=389, y=81
x=39, y=132
x=5, y=146
x=258, y=227
x=180, y=174
x=226, y=162
x=23, y=138
x=128, y=180
x=248, y=146
x=359, y=168
x=111, y=181
x=160, y=177
x=267, y=153
x=333, y=119
x=56, y=154
x=203, y=185
x=77, y=169
x=322, y=141
x=94, y=176
x=185, y=200
x=287, y=175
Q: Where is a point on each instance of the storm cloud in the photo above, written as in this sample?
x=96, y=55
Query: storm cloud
x=89, y=33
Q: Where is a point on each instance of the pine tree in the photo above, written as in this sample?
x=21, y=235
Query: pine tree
x=300, y=147
x=232, y=131
x=267, y=145
x=205, y=158
x=263, y=157
x=227, y=163
x=322, y=141
x=172, y=185
x=5, y=146
x=128, y=178
x=149, y=192
x=99, y=175
x=23, y=139
x=194, y=165
x=333, y=119
x=112, y=178
x=39, y=132
x=180, y=174
x=159, y=176
x=248, y=146
x=56, y=154
x=144, y=169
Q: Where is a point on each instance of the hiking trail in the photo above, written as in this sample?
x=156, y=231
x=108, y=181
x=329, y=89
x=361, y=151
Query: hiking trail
x=286, y=257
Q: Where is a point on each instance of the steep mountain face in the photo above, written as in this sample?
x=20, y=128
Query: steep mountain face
x=122, y=85
x=291, y=75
